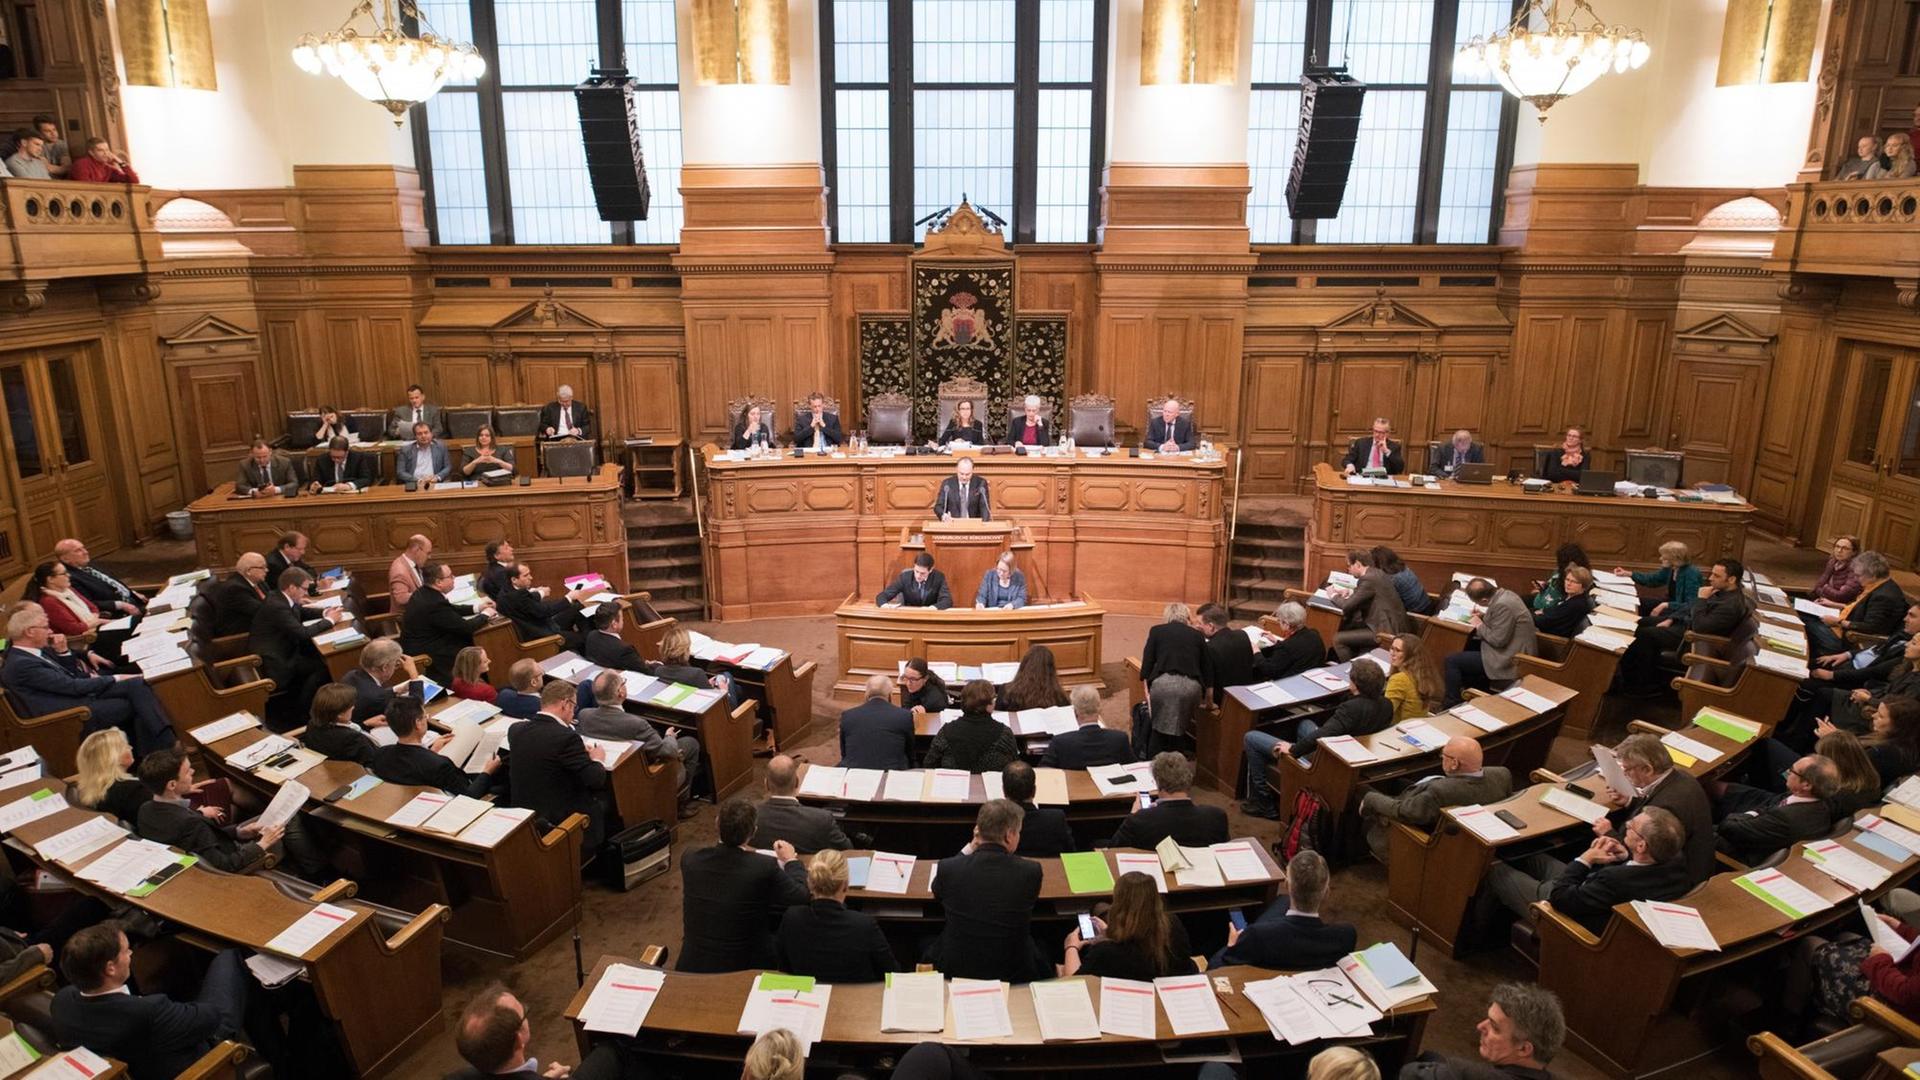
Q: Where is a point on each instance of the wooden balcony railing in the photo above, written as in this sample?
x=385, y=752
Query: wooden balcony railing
x=1860, y=228
x=55, y=229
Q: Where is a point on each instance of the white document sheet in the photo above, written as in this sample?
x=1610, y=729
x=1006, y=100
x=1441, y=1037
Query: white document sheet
x=979, y=1009
x=309, y=930
x=621, y=999
x=1190, y=1004
x=1126, y=1008
x=1064, y=1010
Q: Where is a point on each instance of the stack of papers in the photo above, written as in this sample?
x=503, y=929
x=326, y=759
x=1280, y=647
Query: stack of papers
x=454, y=817
x=1676, y=926
x=1885, y=936
x=1423, y=735
x=19, y=766
x=1782, y=893
x=1574, y=806
x=1057, y=720
x=1478, y=717
x=129, y=866
x=256, y=753
x=1349, y=749
x=980, y=1010
x=1687, y=752
x=494, y=826
x=1846, y=867
x=1087, y=872
x=42, y=803
x=948, y=785
x=1313, y=1005
x=890, y=873
x=1122, y=779
x=1484, y=825
x=1239, y=860
x=1064, y=1010
x=1528, y=700
x=223, y=727
x=1727, y=727
x=914, y=1001
x=1792, y=667
x=467, y=711
x=1898, y=835
x=1613, y=622
x=1126, y=1009
x=69, y=846
x=1330, y=681
x=1268, y=694
x=415, y=812
x=793, y=1002
x=621, y=999
x=904, y=785
x=1140, y=862
x=1386, y=976
x=1202, y=870
x=1600, y=637
x=79, y=1063
x=309, y=930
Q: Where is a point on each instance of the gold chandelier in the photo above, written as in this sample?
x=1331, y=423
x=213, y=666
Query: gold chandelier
x=388, y=66
x=1542, y=65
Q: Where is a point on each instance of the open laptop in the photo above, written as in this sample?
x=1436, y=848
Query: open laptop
x=1595, y=482
x=1474, y=473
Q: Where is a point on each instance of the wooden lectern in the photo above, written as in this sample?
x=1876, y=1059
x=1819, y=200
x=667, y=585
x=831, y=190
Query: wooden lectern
x=965, y=550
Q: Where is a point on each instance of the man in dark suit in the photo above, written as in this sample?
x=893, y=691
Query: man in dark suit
x=372, y=682
x=961, y=496
x=1169, y=432
x=417, y=410
x=1291, y=936
x=235, y=600
x=1231, y=649
x=1657, y=782
x=156, y=1036
x=604, y=646
x=553, y=772
x=536, y=616
x=292, y=551
x=1759, y=823
x=784, y=817
x=282, y=639
x=167, y=819
x=1044, y=830
x=1461, y=450
x=1028, y=429
x=989, y=895
x=919, y=586
x=1090, y=744
x=1371, y=609
x=1877, y=612
x=1646, y=863
x=1297, y=648
x=432, y=625
x=609, y=719
x=817, y=429
x=499, y=570
x=877, y=734
x=106, y=591
x=409, y=761
x=343, y=470
x=731, y=894
x=264, y=472
x=1847, y=685
x=1522, y=1032
x=1375, y=451
x=1173, y=813
x=36, y=685
x=493, y=1036
x=565, y=418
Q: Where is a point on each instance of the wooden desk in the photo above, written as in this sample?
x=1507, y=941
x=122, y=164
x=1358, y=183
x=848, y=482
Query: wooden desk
x=526, y=456
x=725, y=734
x=1622, y=990
x=1220, y=733
x=695, y=1019
x=794, y=536
x=506, y=900
x=558, y=526
x=1500, y=529
x=874, y=640
x=376, y=1031
x=938, y=829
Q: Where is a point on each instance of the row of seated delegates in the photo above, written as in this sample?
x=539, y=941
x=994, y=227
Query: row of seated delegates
x=43, y=672
x=71, y=614
x=36, y=157
x=561, y=418
x=1874, y=160
x=1719, y=606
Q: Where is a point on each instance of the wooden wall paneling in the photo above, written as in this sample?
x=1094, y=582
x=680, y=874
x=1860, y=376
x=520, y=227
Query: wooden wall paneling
x=1636, y=418
x=1796, y=421
x=1365, y=387
x=1061, y=281
x=346, y=349
x=1540, y=341
x=1713, y=409
x=1461, y=395
x=1585, y=377
x=537, y=375
x=460, y=379
x=707, y=347
x=218, y=409
x=651, y=387
x=1271, y=429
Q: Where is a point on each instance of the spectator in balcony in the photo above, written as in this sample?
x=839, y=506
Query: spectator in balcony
x=1913, y=133
x=1866, y=156
x=59, y=159
x=1898, y=155
x=102, y=166
x=28, y=160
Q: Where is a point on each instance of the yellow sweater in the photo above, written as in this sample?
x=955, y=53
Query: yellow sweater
x=1405, y=696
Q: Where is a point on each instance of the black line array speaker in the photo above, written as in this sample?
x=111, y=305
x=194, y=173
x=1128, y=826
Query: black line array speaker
x=611, y=134
x=1329, y=124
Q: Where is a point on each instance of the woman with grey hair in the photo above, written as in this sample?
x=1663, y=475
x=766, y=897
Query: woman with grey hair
x=1177, y=669
x=1296, y=648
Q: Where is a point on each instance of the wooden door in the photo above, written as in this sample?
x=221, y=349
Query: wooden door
x=219, y=410
x=1874, y=491
x=1714, y=406
x=1366, y=387
x=58, y=477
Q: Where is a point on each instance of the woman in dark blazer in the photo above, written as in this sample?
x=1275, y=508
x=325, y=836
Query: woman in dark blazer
x=963, y=427
x=331, y=730
x=485, y=455
x=752, y=430
x=1567, y=465
x=1568, y=615
x=826, y=940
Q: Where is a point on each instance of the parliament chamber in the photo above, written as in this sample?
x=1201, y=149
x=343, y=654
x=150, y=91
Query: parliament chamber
x=960, y=538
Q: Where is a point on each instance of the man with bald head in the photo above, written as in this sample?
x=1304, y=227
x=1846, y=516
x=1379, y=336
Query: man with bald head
x=403, y=577
x=237, y=598
x=877, y=734
x=493, y=1037
x=783, y=817
x=106, y=591
x=1463, y=780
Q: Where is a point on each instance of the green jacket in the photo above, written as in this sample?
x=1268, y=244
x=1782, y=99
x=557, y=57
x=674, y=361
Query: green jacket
x=1683, y=584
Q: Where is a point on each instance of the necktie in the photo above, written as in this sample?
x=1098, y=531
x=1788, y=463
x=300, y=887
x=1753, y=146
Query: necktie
x=1375, y=463
x=566, y=420
x=963, y=499
x=416, y=416
x=263, y=476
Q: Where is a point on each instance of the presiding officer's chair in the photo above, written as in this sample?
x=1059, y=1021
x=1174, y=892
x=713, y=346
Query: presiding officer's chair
x=1656, y=468
x=516, y=420
x=367, y=425
x=567, y=457
x=465, y=421
x=954, y=391
x=1090, y=420
x=1017, y=408
x=738, y=407
x=890, y=420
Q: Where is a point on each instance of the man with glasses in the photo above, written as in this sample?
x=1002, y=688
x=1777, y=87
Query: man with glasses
x=1650, y=769
x=1756, y=823
x=1645, y=863
x=432, y=624
x=1463, y=780
x=37, y=685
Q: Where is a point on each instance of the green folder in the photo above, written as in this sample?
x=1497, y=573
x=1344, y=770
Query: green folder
x=1087, y=871
x=1723, y=726
x=1769, y=899
x=773, y=980
x=673, y=695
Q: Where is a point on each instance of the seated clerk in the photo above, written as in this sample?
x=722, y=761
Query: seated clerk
x=237, y=597
x=825, y=940
x=332, y=732
x=1044, y=830
x=342, y=470
x=553, y=772
x=817, y=429
x=921, y=689
x=1460, y=450
x=1464, y=780
x=1169, y=432
x=1004, y=586
x=1173, y=813
x=1137, y=938
x=155, y=1035
x=1028, y=429
x=732, y=893
x=989, y=895
x=1090, y=744
x=1290, y=934
x=609, y=719
x=565, y=418
x=520, y=698
x=877, y=734
x=409, y=761
x=1757, y=823
x=975, y=741
x=604, y=646
x=493, y=1036
x=1566, y=465
x=1231, y=650
x=920, y=585
x=784, y=817
x=470, y=675
x=752, y=430
x=167, y=819
x=373, y=681
x=1569, y=615
x=964, y=427
x=1297, y=648
x=534, y=615
x=1657, y=782
x=1647, y=863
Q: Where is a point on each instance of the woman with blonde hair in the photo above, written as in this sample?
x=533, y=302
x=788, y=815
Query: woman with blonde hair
x=1677, y=574
x=106, y=782
x=470, y=675
x=775, y=1055
x=1413, y=686
x=826, y=940
x=1342, y=1063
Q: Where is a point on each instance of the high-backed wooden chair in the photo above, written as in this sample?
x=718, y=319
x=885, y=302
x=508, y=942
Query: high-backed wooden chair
x=1656, y=468
x=1090, y=420
x=951, y=393
x=465, y=421
x=738, y=408
x=509, y=420
x=1585, y=668
x=890, y=420
x=567, y=457
x=1017, y=408
x=1153, y=410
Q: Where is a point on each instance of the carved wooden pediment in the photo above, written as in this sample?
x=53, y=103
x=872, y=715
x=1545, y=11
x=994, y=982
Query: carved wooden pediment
x=547, y=314
x=1381, y=313
x=964, y=232
x=211, y=330
x=1725, y=328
